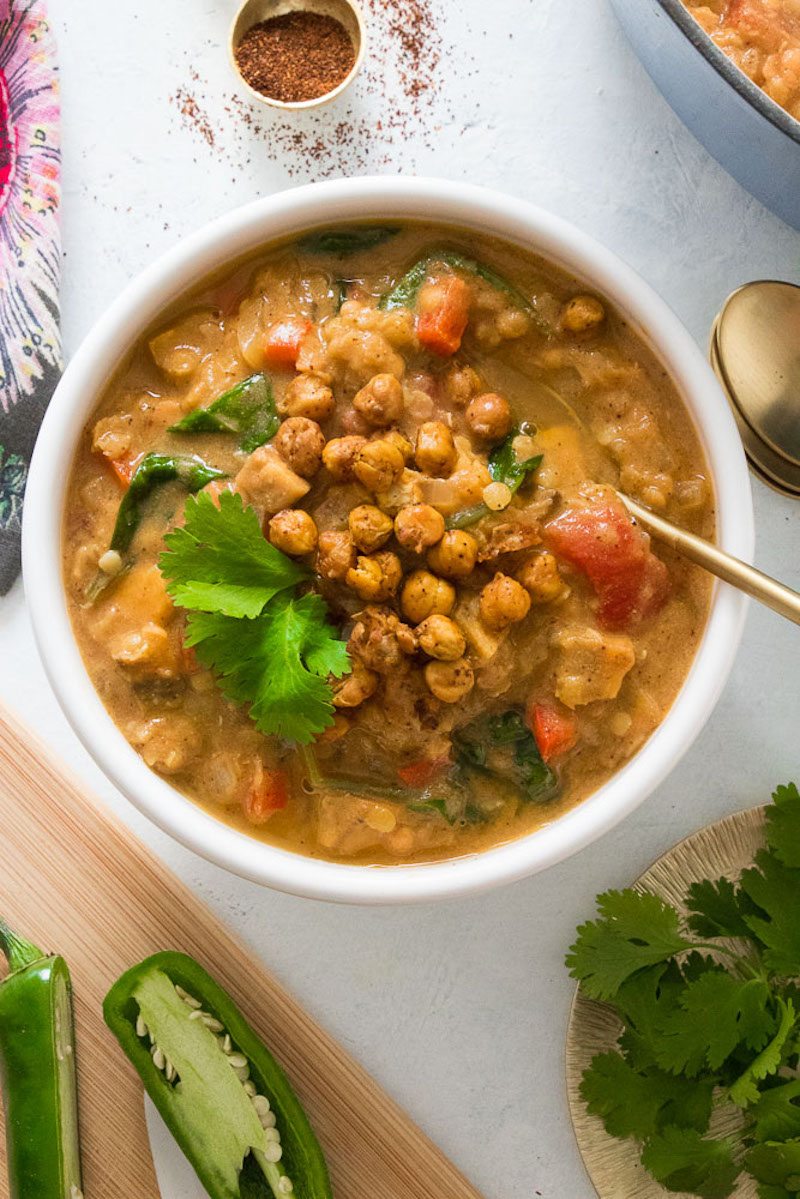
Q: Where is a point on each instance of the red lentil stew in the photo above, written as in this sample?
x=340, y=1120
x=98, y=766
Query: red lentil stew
x=343, y=551
x=762, y=37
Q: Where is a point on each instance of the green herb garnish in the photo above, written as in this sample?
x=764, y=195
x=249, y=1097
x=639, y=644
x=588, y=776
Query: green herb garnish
x=711, y=1018
x=269, y=647
x=248, y=410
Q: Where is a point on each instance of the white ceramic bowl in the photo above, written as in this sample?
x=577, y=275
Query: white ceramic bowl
x=245, y=230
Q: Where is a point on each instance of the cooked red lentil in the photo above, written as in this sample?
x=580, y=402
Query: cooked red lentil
x=763, y=38
x=513, y=639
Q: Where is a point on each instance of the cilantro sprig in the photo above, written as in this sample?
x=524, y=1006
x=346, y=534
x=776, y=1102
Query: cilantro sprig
x=711, y=1021
x=270, y=648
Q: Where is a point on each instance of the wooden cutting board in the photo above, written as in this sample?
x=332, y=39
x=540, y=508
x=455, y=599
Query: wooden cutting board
x=73, y=878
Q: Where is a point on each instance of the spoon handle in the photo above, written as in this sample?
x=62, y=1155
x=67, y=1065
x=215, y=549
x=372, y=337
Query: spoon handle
x=731, y=570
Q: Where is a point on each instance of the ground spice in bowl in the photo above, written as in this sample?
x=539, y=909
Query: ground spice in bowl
x=297, y=56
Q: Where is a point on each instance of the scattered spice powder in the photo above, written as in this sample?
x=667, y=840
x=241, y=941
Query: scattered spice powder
x=298, y=56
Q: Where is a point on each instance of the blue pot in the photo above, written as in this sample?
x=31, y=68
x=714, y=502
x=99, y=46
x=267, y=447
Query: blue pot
x=751, y=136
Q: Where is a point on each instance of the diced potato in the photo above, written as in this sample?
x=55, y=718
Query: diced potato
x=268, y=483
x=178, y=350
x=592, y=664
x=564, y=464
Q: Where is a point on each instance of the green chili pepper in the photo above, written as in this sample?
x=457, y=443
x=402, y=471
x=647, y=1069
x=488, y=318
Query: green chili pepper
x=152, y=471
x=343, y=242
x=405, y=293
x=247, y=409
x=37, y=1070
x=504, y=467
x=220, y=1091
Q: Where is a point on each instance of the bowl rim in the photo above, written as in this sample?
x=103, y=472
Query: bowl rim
x=241, y=232
x=755, y=96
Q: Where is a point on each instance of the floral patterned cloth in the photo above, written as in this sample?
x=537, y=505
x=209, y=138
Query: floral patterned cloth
x=30, y=253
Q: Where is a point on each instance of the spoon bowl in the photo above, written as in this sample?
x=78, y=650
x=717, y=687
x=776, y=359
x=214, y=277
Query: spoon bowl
x=755, y=351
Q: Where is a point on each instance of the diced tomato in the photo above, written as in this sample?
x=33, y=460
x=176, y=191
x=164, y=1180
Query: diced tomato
x=123, y=468
x=419, y=774
x=600, y=539
x=555, y=729
x=228, y=295
x=282, y=342
x=443, y=315
x=268, y=794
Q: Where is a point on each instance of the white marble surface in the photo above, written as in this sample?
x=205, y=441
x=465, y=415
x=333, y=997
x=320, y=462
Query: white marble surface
x=459, y=1010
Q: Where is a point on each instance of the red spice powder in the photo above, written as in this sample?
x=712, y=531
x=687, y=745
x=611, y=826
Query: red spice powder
x=297, y=56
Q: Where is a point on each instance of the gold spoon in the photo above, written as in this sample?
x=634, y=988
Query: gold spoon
x=766, y=590
x=755, y=351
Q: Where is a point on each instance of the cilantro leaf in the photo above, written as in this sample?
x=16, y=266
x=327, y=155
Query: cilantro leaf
x=783, y=824
x=637, y=1105
x=635, y=930
x=768, y=1192
x=278, y=663
x=220, y=561
x=776, y=1115
x=681, y=1160
x=776, y=1163
x=744, y=1090
x=716, y=911
x=775, y=890
x=644, y=1002
x=716, y=1013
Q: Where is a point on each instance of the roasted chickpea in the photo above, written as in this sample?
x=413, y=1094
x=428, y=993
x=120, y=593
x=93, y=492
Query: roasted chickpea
x=378, y=464
x=423, y=595
x=292, y=531
x=357, y=686
x=504, y=601
x=309, y=396
x=403, y=444
x=339, y=457
x=541, y=578
x=461, y=383
x=300, y=442
x=369, y=527
x=418, y=526
x=381, y=401
x=450, y=681
x=455, y=555
x=489, y=416
x=377, y=578
x=582, y=314
x=435, y=451
x=440, y=637
x=336, y=554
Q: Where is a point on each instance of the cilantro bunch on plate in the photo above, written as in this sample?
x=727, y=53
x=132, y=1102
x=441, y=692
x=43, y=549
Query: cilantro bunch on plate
x=270, y=647
x=710, y=1006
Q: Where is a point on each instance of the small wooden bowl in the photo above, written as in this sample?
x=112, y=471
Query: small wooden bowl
x=252, y=12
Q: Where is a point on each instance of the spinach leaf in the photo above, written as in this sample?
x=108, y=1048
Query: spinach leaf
x=343, y=242
x=406, y=292
x=527, y=771
x=247, y=409
x=152, y=472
